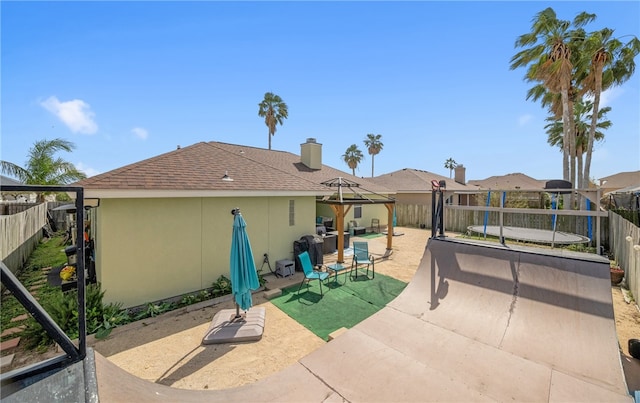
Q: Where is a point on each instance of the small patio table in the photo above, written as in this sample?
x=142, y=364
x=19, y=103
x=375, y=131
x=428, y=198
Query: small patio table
x=337, y=268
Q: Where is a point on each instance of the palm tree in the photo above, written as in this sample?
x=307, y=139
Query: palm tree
x=273, y=110
x=582, y=122
x=374, y=146
x=42, y=168
x=450, y=164
x=352, y=157
x=550, y=51
x=610, y=63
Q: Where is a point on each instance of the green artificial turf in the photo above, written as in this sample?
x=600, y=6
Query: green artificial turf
x=343, y=305
x=370, y=235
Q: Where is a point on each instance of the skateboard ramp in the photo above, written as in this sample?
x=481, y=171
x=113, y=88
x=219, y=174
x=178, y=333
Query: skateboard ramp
x=485, y=323
x=476, y=323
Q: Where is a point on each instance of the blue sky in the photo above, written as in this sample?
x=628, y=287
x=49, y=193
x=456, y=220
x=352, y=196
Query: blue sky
x=126, y=81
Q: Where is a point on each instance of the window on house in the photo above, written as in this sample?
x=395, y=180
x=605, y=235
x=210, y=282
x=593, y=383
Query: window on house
x=292, y=213
x=357, y=211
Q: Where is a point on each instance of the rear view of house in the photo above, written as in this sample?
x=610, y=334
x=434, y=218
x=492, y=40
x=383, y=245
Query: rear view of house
x=163, y=225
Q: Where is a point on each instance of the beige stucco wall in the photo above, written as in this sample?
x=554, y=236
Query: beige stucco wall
x=156, y=248
x=369, y=211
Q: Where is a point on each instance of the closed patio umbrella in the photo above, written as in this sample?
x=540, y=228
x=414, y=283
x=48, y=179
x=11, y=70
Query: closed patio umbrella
x=244, y=277
x=228, y=325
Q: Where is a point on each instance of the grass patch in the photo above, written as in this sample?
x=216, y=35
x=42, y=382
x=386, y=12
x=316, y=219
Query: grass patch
x=49, y=253
x=371, y=235
x=341, y=306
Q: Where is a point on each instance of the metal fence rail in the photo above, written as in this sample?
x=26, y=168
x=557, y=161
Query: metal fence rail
x=16, y=380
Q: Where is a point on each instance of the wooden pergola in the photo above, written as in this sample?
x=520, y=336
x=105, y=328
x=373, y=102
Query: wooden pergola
x=341, y=206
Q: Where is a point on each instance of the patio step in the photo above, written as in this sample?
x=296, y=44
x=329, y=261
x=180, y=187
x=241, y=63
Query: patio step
x=271, y=294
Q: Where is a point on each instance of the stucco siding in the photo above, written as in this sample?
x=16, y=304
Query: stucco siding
x=369, y=211
x=156, y=248
x=148, y=248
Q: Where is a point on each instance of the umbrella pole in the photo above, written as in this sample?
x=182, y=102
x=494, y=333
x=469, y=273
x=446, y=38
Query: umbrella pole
x=237, y=310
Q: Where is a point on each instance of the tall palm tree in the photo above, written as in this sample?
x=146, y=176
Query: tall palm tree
x=352, y=157
x=43, y=168
x=549, y=52
x=611, y=62
x=274, y=111
x=374, y=146
x=582, y=123
x=450, y=164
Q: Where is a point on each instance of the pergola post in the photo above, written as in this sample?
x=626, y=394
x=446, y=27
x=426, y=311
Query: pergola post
x=390, y=229
x=340, y=213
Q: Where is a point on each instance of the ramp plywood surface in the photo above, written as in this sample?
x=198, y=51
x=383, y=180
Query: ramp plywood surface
x=476, y=323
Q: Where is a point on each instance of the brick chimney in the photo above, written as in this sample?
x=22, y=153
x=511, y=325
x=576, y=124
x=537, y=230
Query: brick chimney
x=459, y=174
x=311, y=154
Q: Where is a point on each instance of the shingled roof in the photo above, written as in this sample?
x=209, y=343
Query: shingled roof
x=512, y=181
x=200, y=168
x=620, y=180
x=409, y=180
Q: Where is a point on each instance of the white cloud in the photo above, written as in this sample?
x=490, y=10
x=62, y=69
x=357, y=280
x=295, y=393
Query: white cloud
x=524, y=119
x=76, y=114
x=140, y=133
x=86, y=169
x=608, y=96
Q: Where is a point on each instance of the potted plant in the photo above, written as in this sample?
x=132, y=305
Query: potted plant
x=617, y=273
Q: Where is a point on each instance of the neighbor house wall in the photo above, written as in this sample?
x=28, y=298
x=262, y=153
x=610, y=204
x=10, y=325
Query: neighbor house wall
x=157, y=248
x=369, y=211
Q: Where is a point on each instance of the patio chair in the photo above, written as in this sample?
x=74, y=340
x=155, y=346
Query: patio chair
x=362, y=258
x=375, y=225
x=357, y=229
x=309, y=273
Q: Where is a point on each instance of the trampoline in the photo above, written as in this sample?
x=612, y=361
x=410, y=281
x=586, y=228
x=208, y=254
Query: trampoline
x=530, y=235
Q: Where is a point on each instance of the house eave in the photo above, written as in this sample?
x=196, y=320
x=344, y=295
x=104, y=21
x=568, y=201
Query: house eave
x=151, y=194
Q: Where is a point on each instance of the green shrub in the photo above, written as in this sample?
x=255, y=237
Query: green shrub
x=222, y=286
x=63, y=309
x=155, y=309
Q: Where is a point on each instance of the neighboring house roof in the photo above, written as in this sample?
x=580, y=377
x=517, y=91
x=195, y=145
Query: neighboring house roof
x=513, y=181
x=199, y=169
x=629, y=189
x=5, y=180
x=409, y=180
x=289, y=162
x=620, y=180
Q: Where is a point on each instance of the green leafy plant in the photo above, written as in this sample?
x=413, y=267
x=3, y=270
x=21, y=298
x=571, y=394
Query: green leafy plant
x=155, y=309
x=63, y=309
x=191, y=299
x=222, y=286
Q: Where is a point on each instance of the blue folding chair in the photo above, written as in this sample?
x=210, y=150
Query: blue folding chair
x=309, y=273
x=361, y=258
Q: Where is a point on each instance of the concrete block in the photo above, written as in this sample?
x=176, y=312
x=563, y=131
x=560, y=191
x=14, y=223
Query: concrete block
x=270, y=294
x=6, y=361
x=21, y=317
x=13, y=330
x=9, y=344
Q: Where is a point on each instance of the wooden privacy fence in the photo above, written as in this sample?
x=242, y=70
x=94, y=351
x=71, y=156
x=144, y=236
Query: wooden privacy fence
x=625, y=250
x=459, y=218
x=20, y=233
